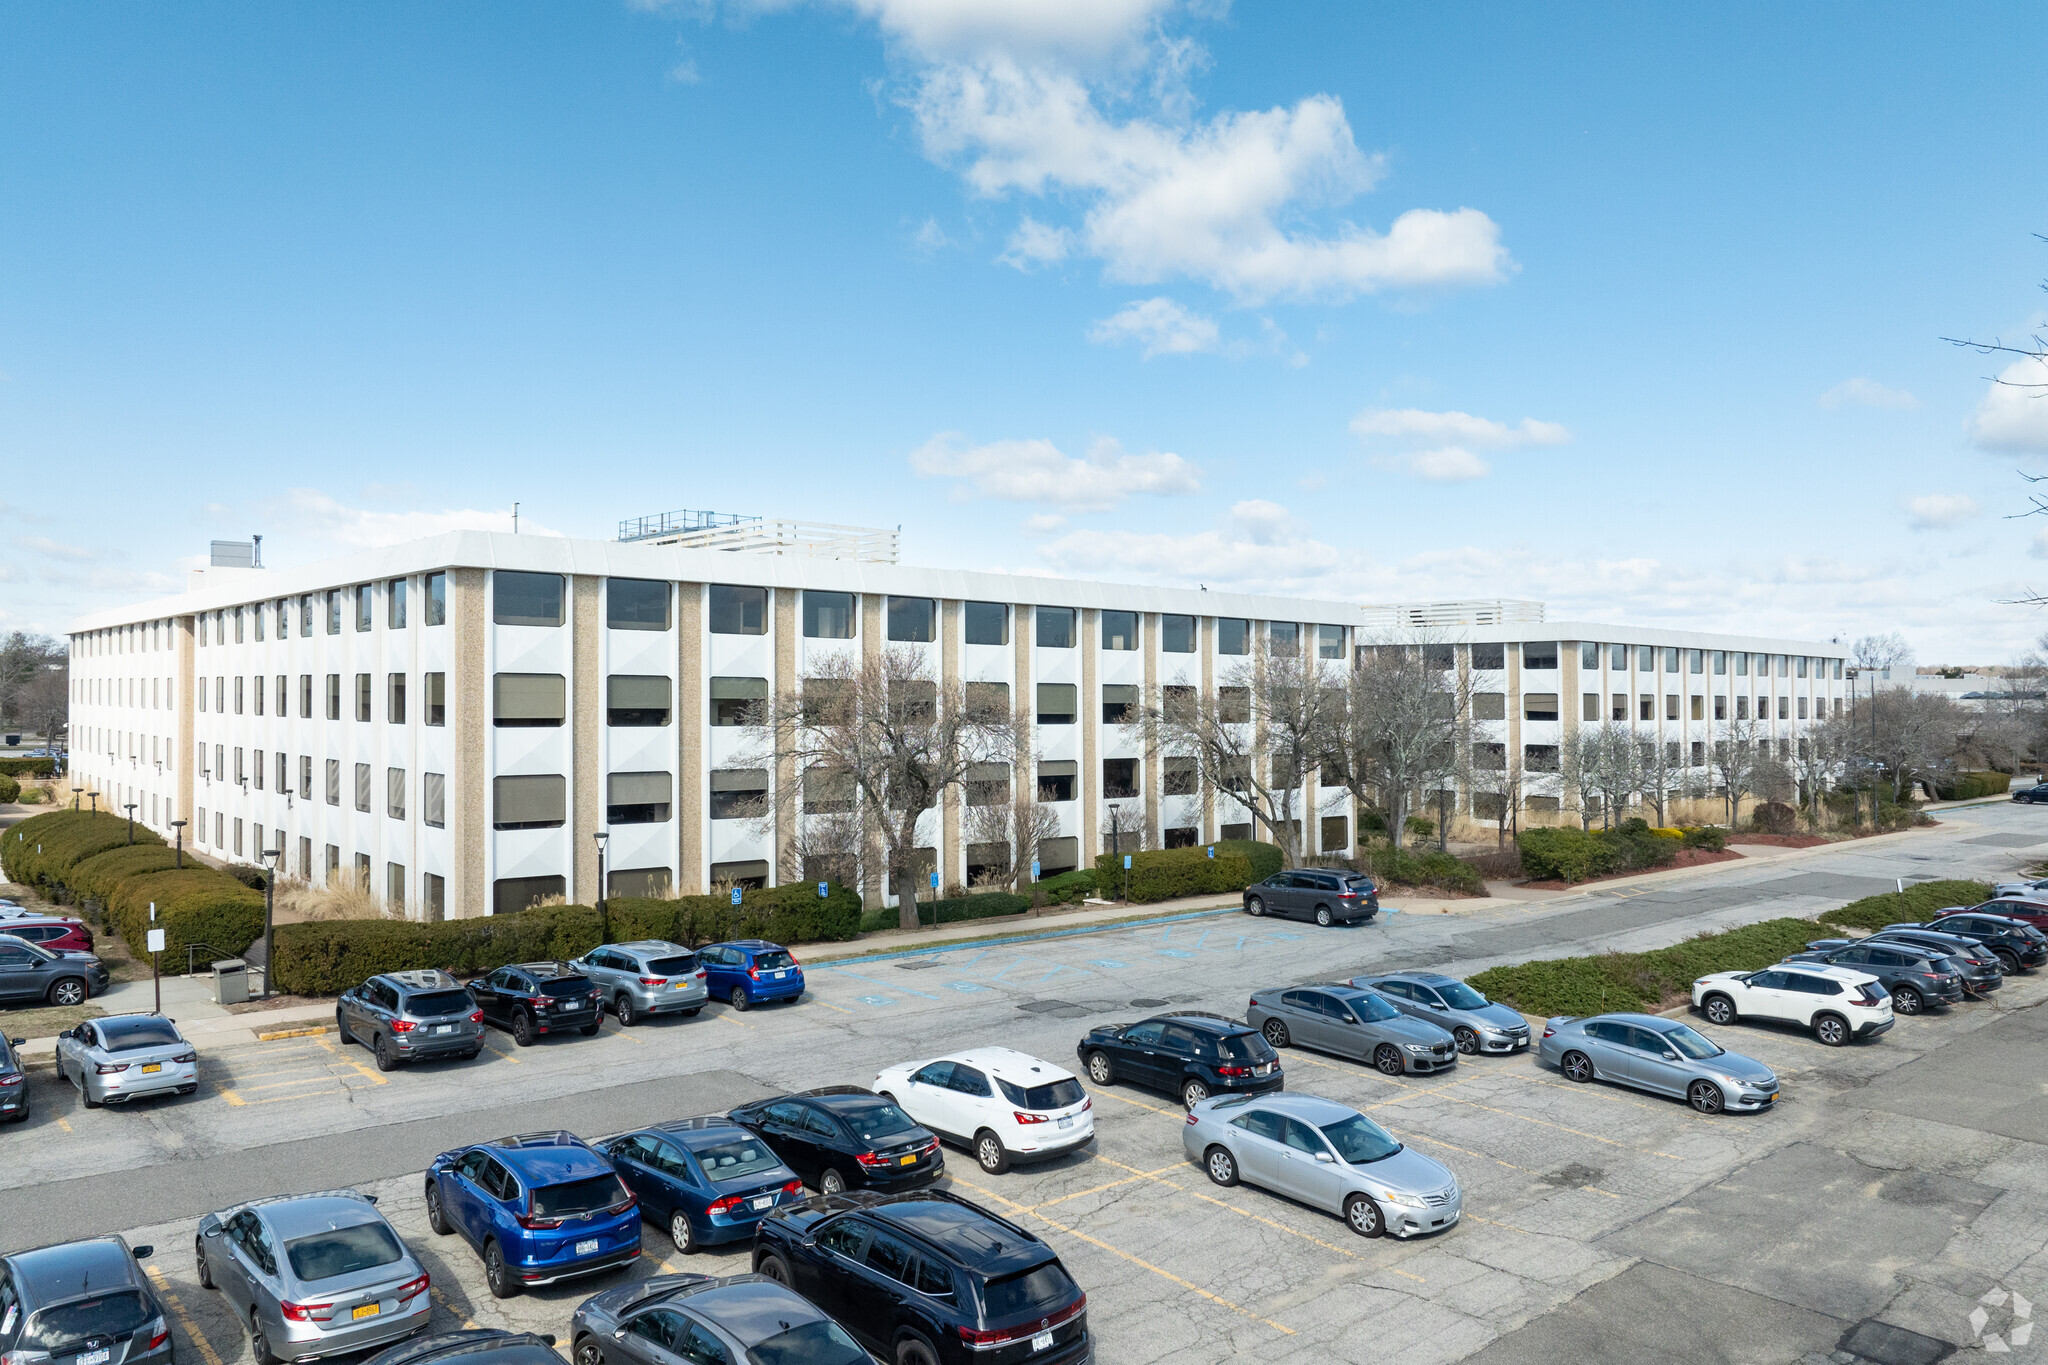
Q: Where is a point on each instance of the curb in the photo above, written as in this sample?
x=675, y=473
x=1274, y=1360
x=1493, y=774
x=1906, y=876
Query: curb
x=305, y=1031
x=1076, y=931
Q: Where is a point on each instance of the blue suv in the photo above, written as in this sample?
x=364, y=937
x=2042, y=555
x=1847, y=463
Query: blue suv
x=748, y=971
x=538, y=1208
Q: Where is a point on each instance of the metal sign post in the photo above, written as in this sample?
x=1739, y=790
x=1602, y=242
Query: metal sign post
x=156, y=946
x=1127, y=879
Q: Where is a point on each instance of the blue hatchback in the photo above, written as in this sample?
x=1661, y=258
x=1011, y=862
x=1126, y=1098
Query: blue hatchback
x=748, y=971
x=538, y=1208
x=706, y=1180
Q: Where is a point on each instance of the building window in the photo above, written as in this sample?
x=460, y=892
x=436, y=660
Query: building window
x=362, y=696
x=738, y=793
x=510, y=895
x=363, y=788
x=733, y=701
x=1283, y=638
x=1699, y=753
x=238, y=640
x=1784, y=708
x=1539, y=706
x=1120, y=630
x=305, y=696
x=828, y=615
x=239, y=771
x=1493, y=656
x=1539, y=654
x=738, y=611
x=1056, y=779
x=433, y=898
x=638, y=798
x=1119, y=777
x=333, y=781
x=256, y=615
x=1671, y=706
x=1056, y=704
x=650, y=883
x=540, y=801
x=1490, y=757
x=526, y=599
x=284, y=772
x=257, y=688
x=1489, y=706
x=257, y=767
x=1720, y=708
x=394, y=604
x=829, y=790
x=394, y=793
x=238, y=694
x=395, y=703
x=238, y=835
x=913, y=620
x=1802, y=708
x=1539, y=758
x=1720, y=662
x=529, y=699
x=1784, y=665
x=1589, y=655
x=988, y=784
x=1670, y=659
x=436, y=585
x=1741, y=665
x=636, y=604
x=987, y=623
x=990, y=699
x=1234, y=705
x=1617, y=657
x=1589, y=706
x=434, y=800
x=1696, y=660
x=1055, y=627
x=394, y=886
x=365, y=607
x=88, y=641
x=1119, y=704
x=752, y=875
x=1330, y=645
x=1233, y=636
x=639, y=699
x=1177, y=634
x=1620, y=711
x=1838, y=674
x=305, y=777
x=1699, y=707
x=334, y=696
x=1180, y=776
x=1741, y=705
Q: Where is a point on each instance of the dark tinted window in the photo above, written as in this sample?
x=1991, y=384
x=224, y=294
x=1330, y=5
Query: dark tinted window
x=1053, y=1095
x=988, y=623
x=828, y=615
x=1145, y=1034
x=879, y=1122
x=1244, y=1047
x=738, y=611
x=1177, y=634
x=128, y=1035
x=672, y=966
x=439, y=1002
x=526, y=599
x=636, y=604
x=890, y=1257
x=565, y=987
x=342, y=1251
x=578, y=1196
x=774, y=961
x=61, y=1329
x=912, y=619
x=815, y=1343
x=1180, y=1039
x=1031, y=1292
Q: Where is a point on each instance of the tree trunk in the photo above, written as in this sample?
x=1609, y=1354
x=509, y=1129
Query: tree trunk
x=1397, y=816
x=906, y=897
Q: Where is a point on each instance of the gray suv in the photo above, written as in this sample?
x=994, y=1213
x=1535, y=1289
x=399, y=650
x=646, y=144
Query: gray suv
x=646, y=977
x=1350, y=1022
x=29, y=971
x=80, y=1301
x=1477, y=1023
x=411, y=1016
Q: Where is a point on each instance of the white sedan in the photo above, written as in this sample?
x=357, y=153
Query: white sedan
x=998, y=1103
x=1835, y=1003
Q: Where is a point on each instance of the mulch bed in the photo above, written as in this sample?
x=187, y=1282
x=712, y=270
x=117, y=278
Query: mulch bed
x=1781, y=840
x=1687, y=857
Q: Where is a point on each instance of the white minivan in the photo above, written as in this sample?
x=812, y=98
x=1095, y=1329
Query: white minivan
x=998, y=1103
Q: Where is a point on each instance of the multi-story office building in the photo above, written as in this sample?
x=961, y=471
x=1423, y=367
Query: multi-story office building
x=452, y=719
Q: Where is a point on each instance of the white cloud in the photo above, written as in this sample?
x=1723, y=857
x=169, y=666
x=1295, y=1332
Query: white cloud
x=971, y=28
x=1463, y=427
x=685, y=72
x=1037, y=471
x=1448, y=464
x=42, y=545
x=1160, y=325
x=930, y=237
x=1867, y=393
x=1260, y=548
x=1936, y=511
x=309, y=515
x=1044, y=523
x=1035, y=244
x=2013, y=414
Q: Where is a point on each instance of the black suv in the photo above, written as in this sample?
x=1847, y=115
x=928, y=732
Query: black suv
x=2018, y=946
x=2032, y=796
x=410, y=1016
x=1916, y=978
x=1325, y=896
x=13, y=1081
x=476, y=1346
x=1979, y=967
x=533, y=998
x=1191, y=1055
x=927, y=1278
x=841, y=1137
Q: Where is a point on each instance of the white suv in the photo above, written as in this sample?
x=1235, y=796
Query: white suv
x=1000, y=1104
x=1836, y=1003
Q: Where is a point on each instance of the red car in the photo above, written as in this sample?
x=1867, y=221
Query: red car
x=58, y=935
x=2026, y=912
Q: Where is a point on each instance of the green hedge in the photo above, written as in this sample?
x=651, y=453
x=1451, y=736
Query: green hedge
x=1265, y=858
x=952, y=910
x=1425, y=867
x=28, y=767
x=1969, y=786
x=1162, y=874
x=1712, y=838
x=197, y=905
x=42, y=850
x=1577, y=855
x=10, y=790
x=1638, y=981
x=1918, y=903
x=1067, y=888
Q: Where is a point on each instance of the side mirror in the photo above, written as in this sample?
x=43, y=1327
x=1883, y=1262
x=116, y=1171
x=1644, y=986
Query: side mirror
x=618, y=1334
x=548, y=1338
x=1326, y=1158
x=143, y=1253
x=19, y=1042
x=215, y=1231
x=371, y=1197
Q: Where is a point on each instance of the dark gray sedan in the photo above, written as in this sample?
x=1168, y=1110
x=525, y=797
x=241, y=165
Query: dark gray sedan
x=30, y=972
x=81, y=1303
x=1477, y=1023
x=1348, y=1022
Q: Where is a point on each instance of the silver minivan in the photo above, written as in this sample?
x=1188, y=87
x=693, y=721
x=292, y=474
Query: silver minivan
x=647, y=977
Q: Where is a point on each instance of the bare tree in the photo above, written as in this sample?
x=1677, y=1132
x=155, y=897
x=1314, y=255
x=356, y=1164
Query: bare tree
x=1402, y=726
x=1661, y=775
x=1734, y=758
x=43, y=703
x=1615, y=771
x=1818, y=759
x=27, y=663
x=1578, y=762
x=1906, y=737
x=1880, y=653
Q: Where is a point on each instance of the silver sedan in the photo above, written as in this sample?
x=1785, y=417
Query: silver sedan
x=1346, y=1021
x=312, y=1275
x=1324, y=1154
x=122, y=1056
x=1663, y=1056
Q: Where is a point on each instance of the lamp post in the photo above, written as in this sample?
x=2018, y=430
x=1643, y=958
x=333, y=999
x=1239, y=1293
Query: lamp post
x=270, y=857
x=130, y=808
x=178, y=826
x=95, y=798
x=604, y=923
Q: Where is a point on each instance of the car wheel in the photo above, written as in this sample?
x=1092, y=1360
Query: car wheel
x=1276, y=1033
x=1255, y=907
x=990, y=1152
x=593, y=1026
x=1719, y=1009
x=2008, y=962
x=85, y=1091
x=915, y=1351
x=522, y=1029
x=259, y=1344
x=831, y=1182
x=1324, y=917
x=681, y=1233
x=1906, y=1000
x=770, y=1266
x=739, y=999
x=497, y=1274
x=383, y=1055
x=69, y=991
x=1831, y=1029
x=1705, y=1096
x=1468, y=1041
x=1364, y=1216
x=1100, y=1069
x=1221, y=1165
x=623, y=1007
x=341, y=1029
x=588, y=1352
x=436, y=1219
x=199, y=1261
x=1576, y=1066
x=1387, y=1058
x=1192, y=1094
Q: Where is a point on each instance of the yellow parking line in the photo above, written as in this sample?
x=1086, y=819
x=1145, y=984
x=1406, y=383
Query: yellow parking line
x=1591, y=1190
x=324, y=1076
x=1495, y=1223
x=1135, y=1104
x=468, y=1323
x=830, y=1006
x=506, y=1055
x=360, y=1069
x=62, y=1123
x=728, y=1019
x=1098, y=1189
x=622, y=1034
x=163, y=1291
x=232, y=1098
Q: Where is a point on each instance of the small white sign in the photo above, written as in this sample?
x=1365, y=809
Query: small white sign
x=156, y=940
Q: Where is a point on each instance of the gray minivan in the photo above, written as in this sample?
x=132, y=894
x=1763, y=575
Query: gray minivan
x=1326, y=895
x=646, y=977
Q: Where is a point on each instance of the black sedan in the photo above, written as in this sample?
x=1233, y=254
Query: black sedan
x=1191, y=1055
x=842, y=1137
x=536, y=998
x=475, y=1346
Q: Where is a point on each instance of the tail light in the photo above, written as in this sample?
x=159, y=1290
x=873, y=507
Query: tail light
x=700, y=973
x=1864, y=1000
x=305, y=1312
x=754, y=973
x=1023, y=1117
x=1549, y=1031
x=533, y=1223
x=159, y=1333
x=654, y=981
x=476, y=1016
x=793, y=1187
x=1233, y=1071
x=725, y=1205
x=1193, y=1118
x=1087, y=1104
x=929, y=1148
x=13, y=1078
x=403, y=1026
x=412, y=1289
x=108, y=1069
x=539, y=1002
x=872, y=1160
x=982, y=1339
x=184, y=1057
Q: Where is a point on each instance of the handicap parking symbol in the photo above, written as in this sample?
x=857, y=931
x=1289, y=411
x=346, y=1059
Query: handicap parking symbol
x=876, y=1000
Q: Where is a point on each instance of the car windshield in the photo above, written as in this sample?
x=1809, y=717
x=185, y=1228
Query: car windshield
x=735, y=1159
x=343, y=1251
x=822, y=1342
x=1052, y=1095
x=565, y=987
x=879, y=1122
x=1460, y=996
x=673, y=966
x=1690, y=1044
x=1359, y=1140
x=61, y=1328
x=1372, y=1007
x=1030, y=1292
x=132, y=1035
x=577, y=1196
x=1244, y=1047
x=439, y=1002
x=773, y=962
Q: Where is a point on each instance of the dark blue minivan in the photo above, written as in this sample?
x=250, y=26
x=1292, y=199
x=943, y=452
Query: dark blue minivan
x=748, y=971
x=707, y=1180
x=538, y=1208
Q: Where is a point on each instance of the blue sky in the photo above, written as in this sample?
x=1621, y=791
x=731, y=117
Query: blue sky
x=1630, y=309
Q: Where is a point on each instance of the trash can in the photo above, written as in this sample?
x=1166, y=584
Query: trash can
x=231, y=982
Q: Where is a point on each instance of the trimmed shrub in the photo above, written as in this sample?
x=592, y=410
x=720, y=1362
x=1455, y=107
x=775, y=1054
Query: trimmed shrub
x=952, y=910
x=98, y=876
x=1068, y=888
x=1577, y=855
x=1425, y=867
x=10, y=790
x=1419, y=827
x=197, y=905
x=1917, y=903
x=790, y=913
x=42, y=850
x=1265, y=858
x=1712, y=838
x=1970, y=786
x=1635, y=981
x=1166, y=873
x=28, y=767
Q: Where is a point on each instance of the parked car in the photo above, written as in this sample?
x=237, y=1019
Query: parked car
x=1835, y=1004
x=1478, y=1024
x=474, y=1346
x=646, y=978
x=1977, y=965
x=929, y=1279
x=2031, y=909
x=78, y=1300
x=1000, y=1104
x=1662, y=1056
x=538, y=1208
x=2036, y=889
x=411, y=1016
x=2018, y=946
x=1326, y=1155
x=697, y=1318
x=13, y=1081
x=1915, y=978
x=313, y=1275
x=54, y=932
x=2032, y=796
x=1349, y=1022
x=749, y=971
x=534, y=999
x=842, y=1137
x=1189, y=1054
x=706, y=1180
x=1317, y=894
x=30, y=972
x=121, y=1057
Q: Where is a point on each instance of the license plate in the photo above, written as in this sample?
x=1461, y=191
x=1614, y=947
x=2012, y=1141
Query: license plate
x=765, y=1202
x=586, y=1246
x=444, y=1028
x=366, y=1310
x=1772, y=1097
x=1263, y=1069
x=95, y=1357
x=1066, y=1123
x=780, y=975
x=1042, y=1342
x=151, y=1068
x=906, y=1160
